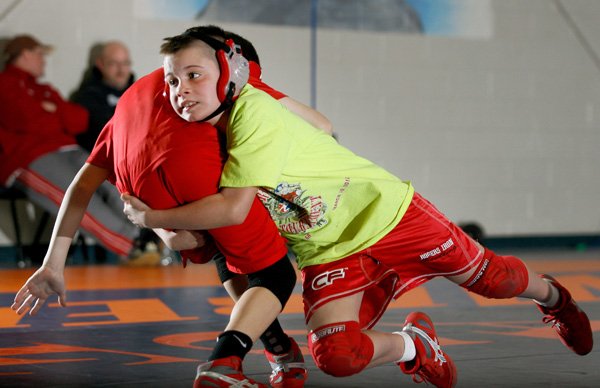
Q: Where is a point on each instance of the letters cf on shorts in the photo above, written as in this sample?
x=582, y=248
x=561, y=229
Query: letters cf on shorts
x=326, y=278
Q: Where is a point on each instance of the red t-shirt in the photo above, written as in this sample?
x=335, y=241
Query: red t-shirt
x=255, y=80
x=165, y=161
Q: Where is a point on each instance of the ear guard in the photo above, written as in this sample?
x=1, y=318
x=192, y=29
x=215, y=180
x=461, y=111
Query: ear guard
x=233, y=66
x=235, y=71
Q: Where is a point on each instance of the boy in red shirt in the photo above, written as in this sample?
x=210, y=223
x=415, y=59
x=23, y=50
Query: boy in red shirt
x=154, y=154
x=147, y=150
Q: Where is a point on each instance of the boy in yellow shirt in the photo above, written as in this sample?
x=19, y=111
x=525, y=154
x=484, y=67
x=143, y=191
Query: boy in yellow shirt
x=361, y=235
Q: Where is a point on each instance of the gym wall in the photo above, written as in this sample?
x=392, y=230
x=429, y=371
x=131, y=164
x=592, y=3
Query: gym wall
x=497, y=122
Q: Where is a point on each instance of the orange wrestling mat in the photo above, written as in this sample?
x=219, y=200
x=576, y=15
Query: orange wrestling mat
x=134, y=327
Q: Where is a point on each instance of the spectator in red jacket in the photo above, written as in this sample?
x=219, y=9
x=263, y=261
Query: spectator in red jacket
x=38, y=151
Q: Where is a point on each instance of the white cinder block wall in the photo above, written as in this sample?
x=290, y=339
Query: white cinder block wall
x=504, y=131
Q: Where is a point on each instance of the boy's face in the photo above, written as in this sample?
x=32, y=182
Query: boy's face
x=191, y=75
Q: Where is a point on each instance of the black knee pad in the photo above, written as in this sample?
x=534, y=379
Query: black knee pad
x=279, y=278
x=224, y=273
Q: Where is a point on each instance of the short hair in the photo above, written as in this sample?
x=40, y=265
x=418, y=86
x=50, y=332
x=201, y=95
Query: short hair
x=175, y=43
x=210, y=29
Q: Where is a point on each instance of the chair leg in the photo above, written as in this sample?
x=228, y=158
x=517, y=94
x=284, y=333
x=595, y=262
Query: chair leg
x=36, y=246
x=17, y=228
x=84, y=247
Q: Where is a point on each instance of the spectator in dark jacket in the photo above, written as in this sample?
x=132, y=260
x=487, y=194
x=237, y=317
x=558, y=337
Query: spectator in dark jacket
x=108, y=77
x=103, y=84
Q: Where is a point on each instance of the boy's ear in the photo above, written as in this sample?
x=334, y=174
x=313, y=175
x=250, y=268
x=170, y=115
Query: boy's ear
x=166, y=91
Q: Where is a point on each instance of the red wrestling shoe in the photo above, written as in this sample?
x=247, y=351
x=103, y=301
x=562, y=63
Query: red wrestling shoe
x=569, y=321
x=430, y=364
x=224, y=372
x=289, y=370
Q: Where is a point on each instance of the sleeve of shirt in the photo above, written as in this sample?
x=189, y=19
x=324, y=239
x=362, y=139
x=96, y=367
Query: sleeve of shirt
x=259, y=84
x=102, y=155
x=257, y=143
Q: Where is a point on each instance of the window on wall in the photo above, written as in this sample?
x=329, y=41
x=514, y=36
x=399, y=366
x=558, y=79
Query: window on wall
x=464, y=18
x=380, y=15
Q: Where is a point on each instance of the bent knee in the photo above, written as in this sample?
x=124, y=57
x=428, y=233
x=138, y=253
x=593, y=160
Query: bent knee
x=498, y=277
x=340, y=349
x=338, y=365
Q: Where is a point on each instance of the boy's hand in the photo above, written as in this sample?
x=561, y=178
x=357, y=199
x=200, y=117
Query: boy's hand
x=43, y=283
x=188, y=239
x=135, y=210
x=179, y=240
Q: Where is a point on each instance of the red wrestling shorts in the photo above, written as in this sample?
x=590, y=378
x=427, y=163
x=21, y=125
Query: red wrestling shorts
x=424, y=245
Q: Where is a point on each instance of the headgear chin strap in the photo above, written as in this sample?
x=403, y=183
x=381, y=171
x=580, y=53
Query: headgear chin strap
x=219, y=110
x=233, y=66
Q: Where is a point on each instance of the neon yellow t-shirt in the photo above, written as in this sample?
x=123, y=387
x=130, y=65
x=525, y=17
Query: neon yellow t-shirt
x=326, y=201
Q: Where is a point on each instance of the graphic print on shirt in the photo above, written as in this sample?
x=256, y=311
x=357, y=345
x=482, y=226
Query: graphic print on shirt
x=292, y=211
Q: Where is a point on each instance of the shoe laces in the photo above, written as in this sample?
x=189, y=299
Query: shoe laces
x=285, y=362
x=433, y=343
x=234, y=383
x=551, y=319
x=557, y=317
